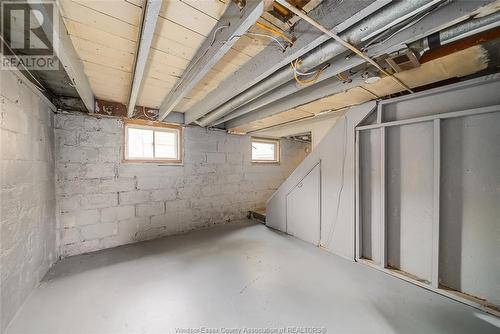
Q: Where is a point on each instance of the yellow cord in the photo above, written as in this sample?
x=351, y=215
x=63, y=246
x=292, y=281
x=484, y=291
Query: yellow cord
x=274, y=31
x=310, y=80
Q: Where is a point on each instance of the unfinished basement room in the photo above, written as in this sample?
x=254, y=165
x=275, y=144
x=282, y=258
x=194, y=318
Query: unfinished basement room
x=250, y=166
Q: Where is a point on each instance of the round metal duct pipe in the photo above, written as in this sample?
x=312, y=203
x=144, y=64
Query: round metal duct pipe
x=446, y=36
x=384, y=19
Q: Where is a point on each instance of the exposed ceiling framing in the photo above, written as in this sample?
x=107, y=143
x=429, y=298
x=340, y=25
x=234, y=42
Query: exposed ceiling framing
x=335, y=15
x=148, y=25
x=435, y=21
x=68, y=58
x=232, y=25
x=226, y=66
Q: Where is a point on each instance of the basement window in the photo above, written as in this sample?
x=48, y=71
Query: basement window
x=265, y=151
x=147, y=141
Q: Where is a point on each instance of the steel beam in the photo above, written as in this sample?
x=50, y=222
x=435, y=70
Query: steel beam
x=233, y=24
x=150, y=16
x=66, y=53
x=331, y=13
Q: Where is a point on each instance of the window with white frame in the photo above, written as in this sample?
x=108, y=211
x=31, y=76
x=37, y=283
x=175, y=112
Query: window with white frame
x=147, y=141
x=265, y=150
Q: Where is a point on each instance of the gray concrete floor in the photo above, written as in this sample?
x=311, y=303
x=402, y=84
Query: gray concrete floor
x=234, y=276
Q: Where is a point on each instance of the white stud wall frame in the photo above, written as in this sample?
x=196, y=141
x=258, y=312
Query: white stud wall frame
x=435, y=212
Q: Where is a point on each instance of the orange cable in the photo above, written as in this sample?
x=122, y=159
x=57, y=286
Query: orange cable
x=277, y=32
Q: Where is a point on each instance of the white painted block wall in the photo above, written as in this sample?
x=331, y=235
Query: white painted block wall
x=27, y=193
x=103, y=202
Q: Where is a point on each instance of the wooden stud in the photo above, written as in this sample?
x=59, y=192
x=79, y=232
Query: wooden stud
x=436, y=203
x=383, y=221
x=357, y=204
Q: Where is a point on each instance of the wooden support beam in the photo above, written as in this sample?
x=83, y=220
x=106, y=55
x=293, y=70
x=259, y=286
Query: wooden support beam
x=357, y=204
x=383, y=193
x=233, y=24
x=342, y=42
x=336, y=16
x=436, y=203
x=148, y=25
x=435, y=21
x=66, y=53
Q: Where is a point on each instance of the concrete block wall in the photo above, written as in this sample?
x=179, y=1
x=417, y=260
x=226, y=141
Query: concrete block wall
x=103, y=202
x=27, y=193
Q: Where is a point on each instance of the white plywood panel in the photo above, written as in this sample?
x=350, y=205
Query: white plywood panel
x=98, y=20
x=175, y=32
x=173, y=47
x=119, y=9
x=303, y=208
x=409, y=199
x=106, y=73
x=109, y=90
x=165, y=63
x=212, y=8
x=370, y=203
x=152, y=91
x=100, y=54
x=470, y=210
x=187, y=16
x=101, y=37
x=139, y=3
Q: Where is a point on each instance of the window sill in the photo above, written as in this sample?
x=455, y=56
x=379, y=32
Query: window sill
x=265, y=163
x=153, y=162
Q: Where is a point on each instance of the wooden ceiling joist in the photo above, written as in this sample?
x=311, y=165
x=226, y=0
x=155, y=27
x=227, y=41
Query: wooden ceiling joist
x=68, y=57
x=231, y=26
x=336, y=16
x=148, y=26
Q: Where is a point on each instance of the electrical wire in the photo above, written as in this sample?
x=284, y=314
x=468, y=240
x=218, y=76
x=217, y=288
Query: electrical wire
x=275, y=31
x=294, y=64
x=153, y=118
x=268, y=36
x=345, y=44
x=315, y=74
x=39, y=86
x=191, y=65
